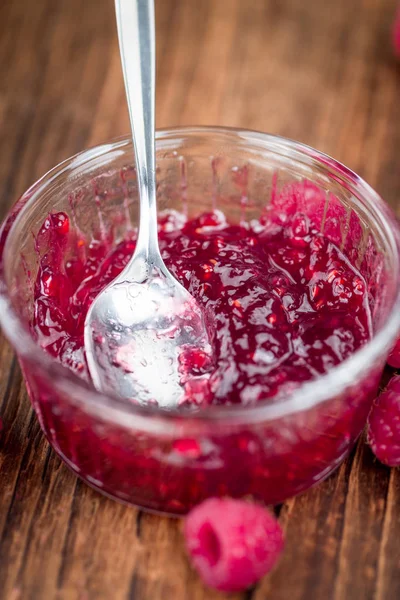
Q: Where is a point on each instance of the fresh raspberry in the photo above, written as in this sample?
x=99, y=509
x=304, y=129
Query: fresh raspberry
x=394, y=357
x=384, y=425
x=232, y=543
x=396, y=34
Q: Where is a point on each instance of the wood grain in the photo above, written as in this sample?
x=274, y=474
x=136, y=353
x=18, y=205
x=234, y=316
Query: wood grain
x=320, y=72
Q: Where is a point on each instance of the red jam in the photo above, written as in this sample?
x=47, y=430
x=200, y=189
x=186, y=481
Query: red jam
x=285, y=304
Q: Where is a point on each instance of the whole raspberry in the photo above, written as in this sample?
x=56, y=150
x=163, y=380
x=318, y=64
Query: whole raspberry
x=396, y=34
x=232, y=543
x=384, y=425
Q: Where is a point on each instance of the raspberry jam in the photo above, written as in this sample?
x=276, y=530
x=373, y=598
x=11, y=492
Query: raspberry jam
x=285, y=306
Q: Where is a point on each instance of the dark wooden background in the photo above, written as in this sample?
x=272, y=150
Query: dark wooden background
x=318, y=71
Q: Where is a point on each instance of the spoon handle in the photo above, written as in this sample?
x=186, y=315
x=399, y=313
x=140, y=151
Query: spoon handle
x=136, y=34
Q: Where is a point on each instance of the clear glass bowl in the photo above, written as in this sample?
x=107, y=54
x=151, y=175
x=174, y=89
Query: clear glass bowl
x=168, y=462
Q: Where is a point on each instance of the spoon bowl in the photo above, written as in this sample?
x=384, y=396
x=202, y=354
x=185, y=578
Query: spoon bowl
x=136, y=335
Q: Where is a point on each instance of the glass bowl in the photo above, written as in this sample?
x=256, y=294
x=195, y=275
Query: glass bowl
x=168, y=462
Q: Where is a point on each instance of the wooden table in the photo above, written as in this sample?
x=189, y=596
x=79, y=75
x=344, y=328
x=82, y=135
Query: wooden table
x=320, y=72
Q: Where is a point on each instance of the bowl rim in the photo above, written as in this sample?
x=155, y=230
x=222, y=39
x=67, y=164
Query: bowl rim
x=306, y=396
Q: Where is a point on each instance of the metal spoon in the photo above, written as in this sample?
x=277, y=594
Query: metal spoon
x=138, y=327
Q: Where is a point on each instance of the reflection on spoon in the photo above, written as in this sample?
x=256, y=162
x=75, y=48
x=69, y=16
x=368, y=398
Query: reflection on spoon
x=138, y=335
